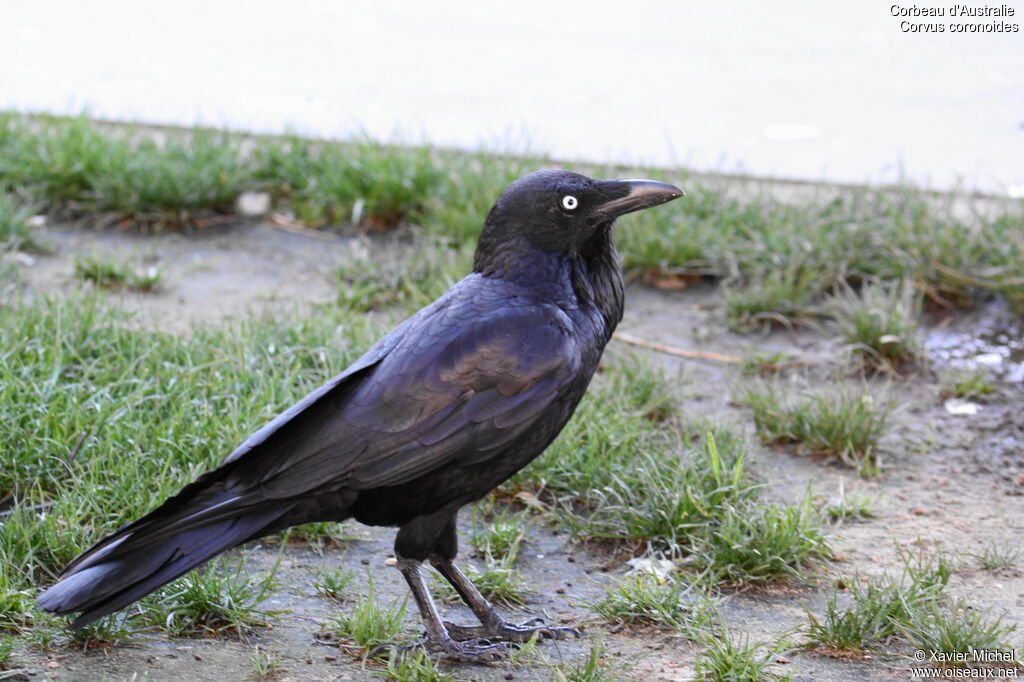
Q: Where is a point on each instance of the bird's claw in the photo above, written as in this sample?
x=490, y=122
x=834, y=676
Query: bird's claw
x=477, y=650
x=510, y=632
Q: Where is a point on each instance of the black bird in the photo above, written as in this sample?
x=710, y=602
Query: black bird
x=436, y=414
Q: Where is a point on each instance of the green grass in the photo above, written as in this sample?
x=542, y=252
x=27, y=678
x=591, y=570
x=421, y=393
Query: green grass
x=669, y=496
x=877, y=610
x=677, y=605
x=974, y=385
x=957, y=628
x=213, y=599
x=782, y=260
x=879, y=325
x=265, y=665
x=360, y=182
x=56, y=159
x=426, y=268
x=109, y=274
x=501, y=538
x=333, y=583
x=780, y=298
x=497, y=545
x=837, y=425
x=498, y=580
x=996, y=557
x=727, y=657
x=848, y=508
x=650, y=393
x=413, y=666
x=15, y=228
x=367, y=624
x=654, y=497
x=318, y=535
x=102, y=420
x=16, y=600
x=172, y=182
x=596, y=668
x=123, y=175
x=7, y=645
x=760, y=543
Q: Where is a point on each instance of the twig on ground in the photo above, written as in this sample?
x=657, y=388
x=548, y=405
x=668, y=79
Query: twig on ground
x=282, y=223
x=679, y=352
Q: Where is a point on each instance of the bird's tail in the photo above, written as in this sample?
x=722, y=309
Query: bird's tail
x=203, y=520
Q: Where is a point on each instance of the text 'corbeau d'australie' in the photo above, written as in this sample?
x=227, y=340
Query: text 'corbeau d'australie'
x=955, y=18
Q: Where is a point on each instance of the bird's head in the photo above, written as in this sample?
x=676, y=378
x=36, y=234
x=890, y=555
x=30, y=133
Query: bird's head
x=563, y=213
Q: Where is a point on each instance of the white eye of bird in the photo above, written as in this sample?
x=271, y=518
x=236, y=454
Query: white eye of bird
x=569, y=202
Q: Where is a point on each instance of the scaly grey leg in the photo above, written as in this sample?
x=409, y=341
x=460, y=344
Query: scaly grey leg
x=493, y=626
x=438, y=640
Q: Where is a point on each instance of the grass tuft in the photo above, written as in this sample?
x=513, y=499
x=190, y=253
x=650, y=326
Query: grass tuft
x=841, y=426
x=502, y=538
x=761, y=543
x=15, y=225
x=265, y=665
x=332, y=583
x=413, y=666
x=847, y=508
x=879, y=325
x=108, y=274
x=974, y=385
x=730, y=658
x=366, y=183
x=408, y=282
x=876, y=610
x=595, y=668
x=780, y=298
x=956, y=629
x=680, y=606
x=170, y=182
x=996, y=557
x=499, y=581
x=367, y=624
x=214, y=599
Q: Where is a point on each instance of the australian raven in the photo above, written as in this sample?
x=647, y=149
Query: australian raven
x=436, y=414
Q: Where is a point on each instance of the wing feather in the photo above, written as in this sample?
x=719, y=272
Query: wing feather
x=451, y=385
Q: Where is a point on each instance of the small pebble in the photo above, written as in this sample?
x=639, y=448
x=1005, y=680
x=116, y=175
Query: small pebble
x=253, y=204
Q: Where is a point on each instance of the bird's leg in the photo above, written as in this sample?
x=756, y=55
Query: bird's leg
x=492, y=626
x=438, y=640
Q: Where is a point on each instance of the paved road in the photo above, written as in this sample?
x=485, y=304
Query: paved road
x=833, y=91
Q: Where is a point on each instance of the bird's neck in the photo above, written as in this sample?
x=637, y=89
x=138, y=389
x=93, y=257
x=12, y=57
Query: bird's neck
x=597, y=279
x=590, y=280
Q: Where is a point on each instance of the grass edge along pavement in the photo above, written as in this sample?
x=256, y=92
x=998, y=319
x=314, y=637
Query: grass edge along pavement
x=780, y=259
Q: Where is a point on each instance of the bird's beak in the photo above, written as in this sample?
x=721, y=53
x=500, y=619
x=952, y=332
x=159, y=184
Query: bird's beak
x=626, y=196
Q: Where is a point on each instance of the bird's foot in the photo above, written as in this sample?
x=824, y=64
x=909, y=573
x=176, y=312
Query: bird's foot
x=478, y=650
x=510, y=632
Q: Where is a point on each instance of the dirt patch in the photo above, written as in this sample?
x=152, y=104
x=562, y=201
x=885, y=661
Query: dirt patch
x=949, y=482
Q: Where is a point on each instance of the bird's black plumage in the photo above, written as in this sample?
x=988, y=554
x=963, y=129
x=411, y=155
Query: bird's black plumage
x=448, y=405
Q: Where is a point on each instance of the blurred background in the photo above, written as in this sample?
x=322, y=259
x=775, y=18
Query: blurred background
x=785, y=89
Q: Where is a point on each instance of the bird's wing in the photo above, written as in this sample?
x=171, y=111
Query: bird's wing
x=451, y=385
